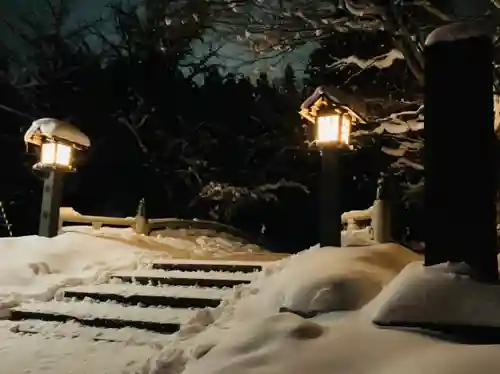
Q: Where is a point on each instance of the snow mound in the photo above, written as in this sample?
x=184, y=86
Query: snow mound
x=317, y=280
x=34, y=267
x=417, y=295
x=349, y=343
x=184, y=243
x=459, y=31
x=339, y=345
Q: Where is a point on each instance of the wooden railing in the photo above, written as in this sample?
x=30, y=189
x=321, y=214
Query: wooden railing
x=146, y=226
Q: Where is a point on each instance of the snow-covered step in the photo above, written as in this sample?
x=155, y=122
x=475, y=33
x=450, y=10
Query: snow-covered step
x=185, y=278
x=171, y=296
x=108, y=315
x=210, y=265
x=73, y=329
x=37, y=354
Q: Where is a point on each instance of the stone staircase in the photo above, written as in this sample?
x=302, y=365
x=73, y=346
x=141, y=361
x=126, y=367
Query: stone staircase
x=158, y=300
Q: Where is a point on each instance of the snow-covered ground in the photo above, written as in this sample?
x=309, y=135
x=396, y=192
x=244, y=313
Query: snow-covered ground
x=352, y=288
x=33, y=267
x=37, y=354
x=343, y=289
x=34, y=270
x=184, y=243
x=337, y=280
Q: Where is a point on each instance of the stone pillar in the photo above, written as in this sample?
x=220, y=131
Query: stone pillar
x=141, y=219
x=460, y=162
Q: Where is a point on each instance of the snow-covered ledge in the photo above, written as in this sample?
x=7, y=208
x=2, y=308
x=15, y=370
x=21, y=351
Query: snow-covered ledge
x=443, y=298
x=366, y=227
x=358, y=231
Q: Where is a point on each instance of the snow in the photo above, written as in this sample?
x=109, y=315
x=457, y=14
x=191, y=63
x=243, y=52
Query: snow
x=23, y=354
x=383, y=61
x=72, y=329
x=183, y=243
x=357, y=214
x=338, y=280
x=151, y=273
x=166, y=291
x=34, y=267
x=418, y=294
x=459, y=31
x=34, y=270
x=214, y=262
x=357, y=237
x=288, y=344
x=90, y=310
x=55, y=129
x=342, y=290
x=37, y=268
x=248, y=335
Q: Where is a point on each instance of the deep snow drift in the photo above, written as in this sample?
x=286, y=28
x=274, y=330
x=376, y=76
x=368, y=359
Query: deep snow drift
x=319, y=280
x=249, y=335
x=343, y=289
x=34, y=267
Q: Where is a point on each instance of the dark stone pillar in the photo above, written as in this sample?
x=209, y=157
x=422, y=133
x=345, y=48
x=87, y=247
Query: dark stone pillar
x=51, y=203
x=330, y=199
x=460, y=162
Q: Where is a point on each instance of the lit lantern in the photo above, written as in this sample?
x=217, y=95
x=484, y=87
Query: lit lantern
x=56, y=155
x=331, y=111
x=333, y=128
x=57, y=141
x=332, y=114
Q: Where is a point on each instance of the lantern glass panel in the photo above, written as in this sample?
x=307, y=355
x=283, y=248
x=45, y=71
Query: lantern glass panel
x=56, y=154
x=333, y=128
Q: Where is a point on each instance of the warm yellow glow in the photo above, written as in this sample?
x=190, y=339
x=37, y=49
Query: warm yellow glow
x=333, y=128
x=56, y=154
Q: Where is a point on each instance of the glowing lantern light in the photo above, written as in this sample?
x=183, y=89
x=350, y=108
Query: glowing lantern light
x=55, y=154
x=334, y=129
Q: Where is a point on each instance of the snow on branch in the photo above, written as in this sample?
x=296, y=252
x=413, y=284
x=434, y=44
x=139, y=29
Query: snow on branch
x=229, y=199
x=223, y=191
x=381, y=62
x=401, y=137
x=404, y=162
x=398, y=123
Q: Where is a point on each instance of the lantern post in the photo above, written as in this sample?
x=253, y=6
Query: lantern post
x=333, y=128
x=332, y=121
x=58, y=141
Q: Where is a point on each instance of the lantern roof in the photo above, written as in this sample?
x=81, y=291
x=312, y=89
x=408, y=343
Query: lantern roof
x=54, y=129
x=331, y=96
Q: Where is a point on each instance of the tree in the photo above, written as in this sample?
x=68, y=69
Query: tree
x=385, y=84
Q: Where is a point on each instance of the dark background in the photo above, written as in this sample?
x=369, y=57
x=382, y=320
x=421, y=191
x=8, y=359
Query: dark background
x=193, y=138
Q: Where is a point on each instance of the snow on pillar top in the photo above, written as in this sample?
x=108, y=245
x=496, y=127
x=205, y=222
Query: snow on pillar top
x=460, y=31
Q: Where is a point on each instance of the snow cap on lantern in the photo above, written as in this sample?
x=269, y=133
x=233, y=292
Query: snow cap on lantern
x=57, y=139
x=333, y=113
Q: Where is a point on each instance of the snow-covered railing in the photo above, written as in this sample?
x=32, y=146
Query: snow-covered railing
x=143, y=225
x=357, y=228
x=374, y=222
x=72, y=216
x=357, y=218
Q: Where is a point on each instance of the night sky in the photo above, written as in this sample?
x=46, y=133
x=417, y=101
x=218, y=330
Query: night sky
x=231, y=55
